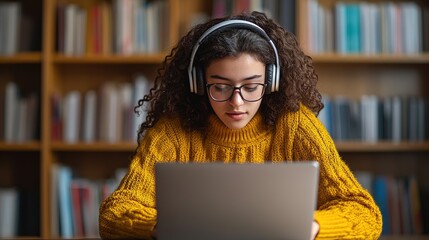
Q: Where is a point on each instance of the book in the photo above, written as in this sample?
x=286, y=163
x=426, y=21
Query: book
x=12, y=16
x=381, y=198
x=20, y=134
x=11, y=112
x=71, y=117
x=64, y=201
x=54, y=198
x=353, y=28
x=287, y=15
x=89, y=119
x=9, y=199
x=76, y=204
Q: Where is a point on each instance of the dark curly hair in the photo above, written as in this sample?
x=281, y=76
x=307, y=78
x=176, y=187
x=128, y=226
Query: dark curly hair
x=171, y=96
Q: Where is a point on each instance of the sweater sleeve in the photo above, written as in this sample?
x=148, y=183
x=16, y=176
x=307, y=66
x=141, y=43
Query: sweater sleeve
x=344, y=210
x=129, y=212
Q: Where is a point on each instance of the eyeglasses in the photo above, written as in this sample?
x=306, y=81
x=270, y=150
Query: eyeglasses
x=250, y=92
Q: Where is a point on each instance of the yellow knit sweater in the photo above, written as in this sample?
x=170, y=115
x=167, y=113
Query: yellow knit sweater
x=344, y=209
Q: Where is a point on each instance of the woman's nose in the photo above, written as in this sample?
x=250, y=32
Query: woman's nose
x=236, y=99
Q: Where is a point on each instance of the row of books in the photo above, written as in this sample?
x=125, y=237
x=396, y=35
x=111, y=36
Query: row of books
x=368, y=28
x=372, y=118
x=105, y=114
x=399, y=200
x=283, y=11
x=18, y=29
x=75, y=202
x=121, y=26
x=19, y=212
x=19, y=115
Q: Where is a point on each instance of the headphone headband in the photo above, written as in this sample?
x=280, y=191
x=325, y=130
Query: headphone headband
x=234, y=23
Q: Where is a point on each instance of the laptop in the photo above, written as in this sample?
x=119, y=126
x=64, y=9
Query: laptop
x=236, y=201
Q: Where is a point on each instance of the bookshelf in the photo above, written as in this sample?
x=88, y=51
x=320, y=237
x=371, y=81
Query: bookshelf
x=41, y=68
x=350, y=74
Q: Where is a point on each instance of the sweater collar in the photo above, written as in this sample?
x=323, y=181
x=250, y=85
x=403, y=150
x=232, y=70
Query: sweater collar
x=253, y=131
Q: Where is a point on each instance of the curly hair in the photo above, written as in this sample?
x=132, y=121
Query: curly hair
x=171, y=96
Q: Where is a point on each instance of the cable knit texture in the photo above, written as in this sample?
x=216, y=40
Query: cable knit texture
x=344, y=209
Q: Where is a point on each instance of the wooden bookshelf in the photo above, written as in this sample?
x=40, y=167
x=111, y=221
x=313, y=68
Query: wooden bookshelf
x=47, y=71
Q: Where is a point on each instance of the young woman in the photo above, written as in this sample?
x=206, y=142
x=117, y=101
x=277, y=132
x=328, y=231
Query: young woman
x=235, y=89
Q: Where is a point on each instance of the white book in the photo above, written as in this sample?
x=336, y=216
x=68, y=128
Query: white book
x=313, y=28
x=13, y=16
x=89, y=117
x=71, y=118
x=11, y=112
x=109, y=113
x=257, y=5
x=365, y=28
x=413, y=28
x=80, y=36
x=69, y=29
x=321, y=29
x=9, y=212
x=369, y=119
x=374, y=29
x=340, y=25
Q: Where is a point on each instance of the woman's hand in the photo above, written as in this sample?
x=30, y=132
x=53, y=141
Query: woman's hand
x=314, y=230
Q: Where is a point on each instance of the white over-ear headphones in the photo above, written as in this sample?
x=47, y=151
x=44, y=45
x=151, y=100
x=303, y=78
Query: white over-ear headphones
x=196, y=75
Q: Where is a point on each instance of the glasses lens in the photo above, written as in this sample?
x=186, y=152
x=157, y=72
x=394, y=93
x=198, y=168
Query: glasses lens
x=252, y=92
x=249, y=92
x=221, y=92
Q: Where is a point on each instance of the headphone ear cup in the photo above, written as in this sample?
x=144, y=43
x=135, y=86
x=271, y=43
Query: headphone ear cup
x=269, y=77
x=199, y=78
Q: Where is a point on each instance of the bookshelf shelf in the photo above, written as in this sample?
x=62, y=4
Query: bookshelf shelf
x=35, y=57
x=376, y=59
x=13, y=147
x=110, y=59
x=94, y=147
x=385, y=146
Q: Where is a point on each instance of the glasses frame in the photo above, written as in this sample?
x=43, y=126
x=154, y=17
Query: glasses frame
x=208, y=86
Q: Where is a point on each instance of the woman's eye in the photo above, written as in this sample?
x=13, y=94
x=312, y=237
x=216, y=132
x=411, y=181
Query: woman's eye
x=222, y=87
x=250, y=88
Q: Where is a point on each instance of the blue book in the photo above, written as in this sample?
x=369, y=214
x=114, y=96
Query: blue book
x=381, y=198
x=353, y=28
x=65, y=205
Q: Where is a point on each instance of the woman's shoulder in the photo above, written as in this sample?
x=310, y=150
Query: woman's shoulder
x=303, y=119
x=303, y=113
x=167, y=128
x=168, y=124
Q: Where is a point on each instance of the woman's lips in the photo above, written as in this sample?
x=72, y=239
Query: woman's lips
x=236, y=115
